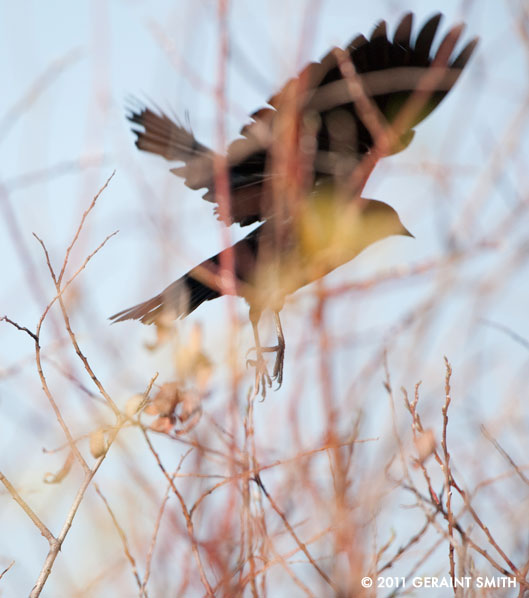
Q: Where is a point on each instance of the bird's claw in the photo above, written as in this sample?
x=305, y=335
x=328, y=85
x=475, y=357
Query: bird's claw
x=262, y=377
x=277, y=374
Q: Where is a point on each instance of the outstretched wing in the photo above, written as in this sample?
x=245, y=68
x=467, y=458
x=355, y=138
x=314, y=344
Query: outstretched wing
x=392, y=73
x=157, y=133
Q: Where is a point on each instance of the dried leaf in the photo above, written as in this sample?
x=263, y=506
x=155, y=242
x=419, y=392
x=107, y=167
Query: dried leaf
x=98, y=443
x=134, y=404
x=56, y=478
x=165, y=329
x=191, y=363
x=163, y=424
x=165, y=401
x=425, y=444
x=189, y=406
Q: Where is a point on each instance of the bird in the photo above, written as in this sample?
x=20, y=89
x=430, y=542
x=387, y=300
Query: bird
x=298, y=168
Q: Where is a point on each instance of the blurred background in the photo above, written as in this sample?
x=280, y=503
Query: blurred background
x=459, y=289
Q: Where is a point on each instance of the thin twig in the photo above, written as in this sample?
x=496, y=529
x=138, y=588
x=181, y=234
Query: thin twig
x=124, y=541
x=21, y=328
x=56, y=544
x=187, y=516
x=26, y=508
x=446, y=470
x=7, y=569
x=302, y=546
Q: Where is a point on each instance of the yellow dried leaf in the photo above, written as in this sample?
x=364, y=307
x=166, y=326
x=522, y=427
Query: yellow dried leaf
x=133, y=405
x=56, y=478
x=98, y=443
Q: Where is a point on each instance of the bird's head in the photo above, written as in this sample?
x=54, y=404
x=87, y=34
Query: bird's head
x=342, y=228
x=379, y=220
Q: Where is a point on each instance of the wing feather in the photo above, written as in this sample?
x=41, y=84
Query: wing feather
x=391, y=71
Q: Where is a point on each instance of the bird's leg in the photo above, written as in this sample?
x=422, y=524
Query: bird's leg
x=278, y=349
x=262, y=377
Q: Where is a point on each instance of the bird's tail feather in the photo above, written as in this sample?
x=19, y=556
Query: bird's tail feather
x=178, y=300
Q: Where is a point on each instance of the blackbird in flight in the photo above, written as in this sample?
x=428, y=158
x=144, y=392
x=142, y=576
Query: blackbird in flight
x=299, y=168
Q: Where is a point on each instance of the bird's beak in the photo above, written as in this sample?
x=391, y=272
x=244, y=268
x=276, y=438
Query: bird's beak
x=407, y=233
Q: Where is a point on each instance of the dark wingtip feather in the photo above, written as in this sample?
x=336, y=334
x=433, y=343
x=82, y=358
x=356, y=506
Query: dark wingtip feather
x=403, y=32
x=442, y=56
x=423, y=43
x=380, y=30
x=160, y=134
x=465, y=54
x=357, y=42
x=133, y=105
